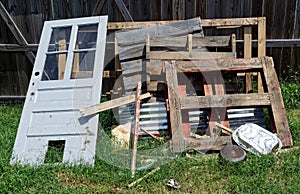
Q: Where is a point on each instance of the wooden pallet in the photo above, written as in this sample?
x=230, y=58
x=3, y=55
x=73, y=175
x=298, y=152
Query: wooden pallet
x=271, y=98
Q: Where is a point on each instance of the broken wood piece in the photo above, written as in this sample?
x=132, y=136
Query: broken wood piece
x=135, y=129
x=148, y=133
x=211, y=143
x=140, y=179
x=111, y=104
x=225, y=129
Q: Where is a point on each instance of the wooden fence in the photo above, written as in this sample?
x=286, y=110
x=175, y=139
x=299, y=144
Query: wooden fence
x=282, y=19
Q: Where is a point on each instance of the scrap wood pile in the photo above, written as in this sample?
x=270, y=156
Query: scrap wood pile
x=172, y=83
x=196, y=94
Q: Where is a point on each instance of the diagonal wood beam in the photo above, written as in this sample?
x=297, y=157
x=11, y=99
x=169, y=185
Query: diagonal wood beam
x=15, y=31
x=98, y=8
x=124, y=11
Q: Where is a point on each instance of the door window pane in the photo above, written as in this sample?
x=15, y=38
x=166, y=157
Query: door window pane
x=87, y=36
x=54, y=68
x=83, y=64
x=60, y=39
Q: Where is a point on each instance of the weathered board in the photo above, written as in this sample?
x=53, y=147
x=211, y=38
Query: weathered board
x=132, y=46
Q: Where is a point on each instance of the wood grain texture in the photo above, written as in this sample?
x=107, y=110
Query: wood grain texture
x=15, y=31
x=111, y=104
x=197, y=40
x=219, y=64
x=228, y=100
x=204, y=23
x=124, y=11
x=164, y=55
x=177, y=141
x=279, y=112
x=212, y=143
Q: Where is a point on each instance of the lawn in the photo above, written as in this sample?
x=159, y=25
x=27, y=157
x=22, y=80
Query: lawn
x=195, y=173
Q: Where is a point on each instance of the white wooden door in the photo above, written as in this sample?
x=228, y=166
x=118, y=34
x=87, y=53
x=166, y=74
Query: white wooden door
x=67, y=76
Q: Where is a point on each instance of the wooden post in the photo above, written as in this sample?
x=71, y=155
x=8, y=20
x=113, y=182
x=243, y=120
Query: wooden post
x=261, y=48
x=277, y=105
x=190, y=44
x=233, y=45
x=135, y=129
x=117, y=59
x=175, y=111
x=248, y=54
x=62, y=58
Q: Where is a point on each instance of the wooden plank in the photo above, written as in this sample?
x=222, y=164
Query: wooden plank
x=132, y=43
x=190, y=9
x=175, y=112
x=135, y=130
x=172, y=29
x=155, y=10
x=163, y=55
x=123, y=10
x=166, y=9
x=18, y=48
x=219, y=64
x=247, y=42
x=277, y=105
x=229, y=100
x=276, y=43
x=15, y=31
x=233, y=45
x=117, y=57
x=178, y=9
x=204, y=23
x=198, y=40
x=212, y=143
x=190, y=44
x=98, y=7
x=261, y=36
x=111, y=104
x=261, y=48
x=248, y=54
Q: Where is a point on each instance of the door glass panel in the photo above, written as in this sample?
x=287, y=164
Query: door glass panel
x=60, y=39
x=54, y=66
x=83, y=64
x=84, y=54
x=87, y=36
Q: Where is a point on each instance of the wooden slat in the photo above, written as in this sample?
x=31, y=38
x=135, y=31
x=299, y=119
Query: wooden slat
x=164, y=55
x=111, y=104
x=178, y=9
x=212, y=143
x=248, y=54
x=191, y=9
x=98, y=7
x=198, y=40
x=178, y=28
x=15, y=31
x=261, y=48
x=278, y=110
x=204, y=23
x=135, y=129
x=219, y=64
x=233, y=45
x=124, y=11
x=229, y=100
x=175, y=112
x=18, y=48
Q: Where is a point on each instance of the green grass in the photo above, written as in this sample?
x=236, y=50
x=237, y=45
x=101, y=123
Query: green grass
x=196, y=174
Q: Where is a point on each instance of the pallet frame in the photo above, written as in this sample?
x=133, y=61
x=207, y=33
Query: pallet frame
x=227, y=23
x=271, y=99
